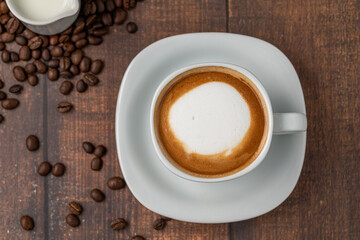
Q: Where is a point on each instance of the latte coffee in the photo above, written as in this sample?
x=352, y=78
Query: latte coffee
x=211, y=121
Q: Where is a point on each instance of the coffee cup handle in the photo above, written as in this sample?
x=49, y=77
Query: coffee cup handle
x=286, y=123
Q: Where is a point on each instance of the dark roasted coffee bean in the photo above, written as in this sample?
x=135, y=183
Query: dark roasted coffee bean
x=44, y=168
x=116, y=183
x=96, y=164
x=118, y=224
x=5, y=56
x=36, y=54
x=97, y=25
x=93, y=40
x=21, y=40
x=26, y=222
x=12, y=25
x=16, y=89
x=100, y=5
x=20, y=28
x=89, y=8
x=4, y=19
x=90, y=20
x=74, y=70
x=77, y=37
x=58, y=169
x=120, y=16
x=25, y=53
x=66, y=87
x=35, y=43
x=54, y=40
x=52, y=74
x=40, y=66
x=66, y=74
x=68, y=31
x=19, y=73
x=14, y=57
x=97, y=195
x=64, y=63
x=100, y=151
x=107, y=19
x=81, y=43
x=64, y=38
x=133, y=3
x=76, y=56
x=56, y=51
x=131, y=27
x=81, y=86
x=85, y=64
x=2, y=95
x=30, y=68
x=91, y=79
x=53, y=63
x=1, y=84
x=10, y=103
x=96, y=66
x=64, y=107
x=88, y=147
x=45, y=54
x=2, y=46
x=79, y=27
x=1, y=118
x=99, y=31
x=28, y=34
x=72, y=220
x=159, y=224
x=4, y=8
x=138, y=237
x=75, y=208
x=118, y=3
x=126, y=4
x=45, y=41
x=110, y=6
x=32, y=143
x=68, y=47
x=7, y=37
x=33, y=80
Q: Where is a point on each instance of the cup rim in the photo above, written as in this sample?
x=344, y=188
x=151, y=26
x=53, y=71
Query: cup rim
x=42, y=22
x=242, y=172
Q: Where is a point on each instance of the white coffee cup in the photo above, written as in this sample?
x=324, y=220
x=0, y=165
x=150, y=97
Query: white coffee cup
x=278, y=124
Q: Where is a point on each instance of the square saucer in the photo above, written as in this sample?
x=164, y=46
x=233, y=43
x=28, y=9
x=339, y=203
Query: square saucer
x=163, y=192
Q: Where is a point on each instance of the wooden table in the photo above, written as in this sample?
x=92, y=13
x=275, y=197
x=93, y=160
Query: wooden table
x=321, y=38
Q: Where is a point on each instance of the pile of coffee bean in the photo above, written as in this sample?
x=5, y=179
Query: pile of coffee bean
x=72, y=219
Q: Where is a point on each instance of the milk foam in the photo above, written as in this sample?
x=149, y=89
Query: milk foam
x=210, y=119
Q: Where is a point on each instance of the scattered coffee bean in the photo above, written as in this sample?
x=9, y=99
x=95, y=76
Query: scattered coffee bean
x=56, y=51
x=44, y=168
x=40, y=66
x=116, y=183
x=96, y=66
x=81, y=43
x=118, y=3
x=32, y=143
x=93, y=40
x=4, y=8
x=99, y=32
x=96, y=164
x=138, y=237
x=120, y=16
x=79, y=26
x=81, y=86
x=58, y=169
x=90, y=20
x=27, y=223
x=97, y=195
x=75, y=208
x=72, y=220
x=30, y=68
x=89, y=8
x=107, y=19
x=66, y=87
x=16, y=89
x=53, y=63
x=35, y=43
x=77, y=37
x=14, y=57
x=126, y=4
x=45, y=41
x=5, y=56
x=91, y=79
x=4, y=19
x=45, y=54
x=159, y=224
x=25, y=53
x=28, y=34
x=1, y=84
x=65, y=63
x=2, y=46
x=10, y=103
x=52, y=74
x=54, y=40
x=68, y=47
x=36, y=54
x=33, y=80
x=100, y=151
x=100, y=5
x=76, y=57
x=118, y=224
x=21, y=40
x=68, y=31
x=66, y=74
x=88, y=147
x=74, y=70
x=110, y=6
x=131, y=27
x=85, y=64
x=7, y=37
x=12, y=25
x=2, y=95
x=1, y=118
x=64, y=107
x=19, y=73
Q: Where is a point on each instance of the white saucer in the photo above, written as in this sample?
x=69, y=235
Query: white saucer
x=160, y=190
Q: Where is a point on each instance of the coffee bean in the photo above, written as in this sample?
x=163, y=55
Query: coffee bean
x=7, y=37
x=56, y=51
x=25, y=53
x=96, y=66
x=118, y=224
x=81, y=86
x=30, y=68
x=68, y=47
x=97, y=195
x=66, y=87
x=4, y=19
x=33, y=80
x=120, y=16
x=91, y=79
x=1, y=84
x=16, y=89
x=133, y=3
x=40, y=66
x=79, y=27
x=2, y=95
x=10, y=103
x=118, y=3
x=138, y=237
x=36, y=54
x=58, y=169
x=65, y=63
x=44, y=168
x=2, y=46
x=78, y=37
x=14, y=57
x=159, y=224
x=85, y=64
x=100, y=151
x=1, y=118
x=20, y=28
x=53, y=63
x=81, y=43
x=52, y=74
x=76, y=56
x=32, y=143
x=126, y=4
x=68, y=31
x=45, y=41
x=54, y=40
x=35, y=43
x=93, y=40
x=5, y=56
x=28, y=34
x=131, y=27
x=4, y=8
x=12, y=25
x=99, y=32
x=75, y=208
x=89, y=8
x=64, y=38
x=96, y=164
x=110, y=6
x=64, y=107
x=27, y=223
x=88, y=147
x=100, y=5
x=107, y=19
x=19, y=73
x=65, y=74
x=90, y=20
x=74, y=70
x=45, y=54
x=116, y=183
x=72, y=220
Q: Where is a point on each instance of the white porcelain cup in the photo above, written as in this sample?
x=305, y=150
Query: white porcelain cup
x=279, y=124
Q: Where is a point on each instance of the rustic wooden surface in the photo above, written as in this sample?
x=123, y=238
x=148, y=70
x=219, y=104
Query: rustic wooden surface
x=321, y=38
